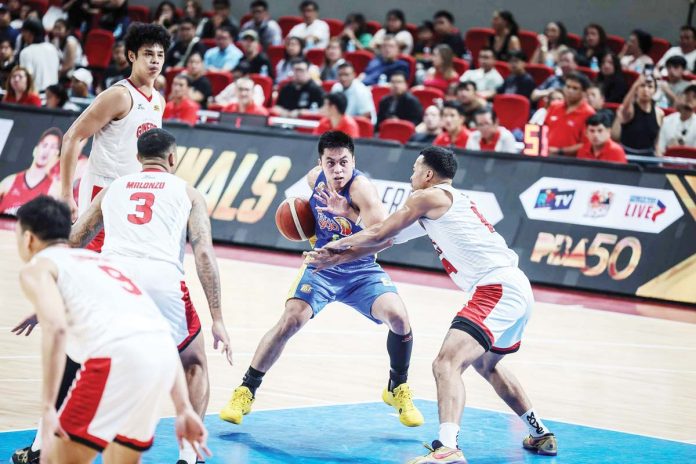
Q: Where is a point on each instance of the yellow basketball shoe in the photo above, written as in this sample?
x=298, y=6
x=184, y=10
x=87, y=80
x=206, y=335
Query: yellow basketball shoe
x=402, y=401
x=545, y=444
x=440, y=453
x=238, y=406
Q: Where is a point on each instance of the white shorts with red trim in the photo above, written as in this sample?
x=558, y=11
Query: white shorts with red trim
x=165, y=284
x=90, y=186
x=498, y=311
x=119, y=392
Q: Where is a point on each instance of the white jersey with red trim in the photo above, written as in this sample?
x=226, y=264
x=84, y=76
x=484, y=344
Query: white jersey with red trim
x=114, y=147
x=468, y=246
x=146, y=216
x=102, y=304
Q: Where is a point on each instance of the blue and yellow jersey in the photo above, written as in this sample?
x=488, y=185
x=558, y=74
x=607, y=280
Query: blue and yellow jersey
x=329, y=227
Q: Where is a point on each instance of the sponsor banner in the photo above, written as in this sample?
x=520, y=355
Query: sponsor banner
x=607, y=228
x=602, y=205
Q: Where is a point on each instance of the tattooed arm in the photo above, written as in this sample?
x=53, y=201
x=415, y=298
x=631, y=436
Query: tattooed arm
x=89, y=224
x=201, y=240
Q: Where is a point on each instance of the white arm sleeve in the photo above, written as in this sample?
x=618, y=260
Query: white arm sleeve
x=415, y=230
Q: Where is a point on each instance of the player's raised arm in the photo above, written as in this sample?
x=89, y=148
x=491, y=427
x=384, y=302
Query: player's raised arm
x=113, y=103
x=89, y=224
x=201, y=239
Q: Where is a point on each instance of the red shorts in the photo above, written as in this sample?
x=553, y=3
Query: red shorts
x=498, y=311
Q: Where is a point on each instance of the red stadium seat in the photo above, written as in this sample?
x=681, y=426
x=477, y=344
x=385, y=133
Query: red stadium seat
x=245, y=18
x=539, y=72
x=615, y=43
x=659, y=47
x=315, y=56
x=367, y=130
x=574, y=40
x=335, y=26
x=475, y=39
x=630, y=77
x=669, y=110
x=98, y=48
x=209, y=14
x=266, y=84
x=612, y=106
x=208, y=43
x=411, y=67
x=171, y=74
x=529, y=42
x=503, y=68
x=427, y=95
x=308, y=117
x=681, y=152
x=460, y=65
x=512, y=110
x=592, y=75
x=359, y=59
x=219, y=80
x=41, y=6
x=396, y=129
x=275, y=53
x=327, y=85
x=139, y=13
x=288, y=22
x=379, y=92
x=373, y=26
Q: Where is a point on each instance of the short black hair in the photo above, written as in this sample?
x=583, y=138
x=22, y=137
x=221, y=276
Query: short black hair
x=139, y=35
x=399, y=73
x=441, y=160
x=225, y=28
x=307, y=3
x=188, y=20
x=518, y=54
x=185, y=77
x=337, y=99
x=298, y=60
x=155, y=143
x=9, y=42
x=444, y=14
x=55, y=132
x=45, y=217
x=259, y=3
x=644, y=39
x=455, y=106
x=60, y=93
x=335, y=139
x=486, y=110
x=466, y=84
x=598, y=119
x=346, y=65
x=36, y=28
x=580, y=78
x=688, y=27
x=224, y=3
x=398, y=14
x=676, y=61
x=690, y=89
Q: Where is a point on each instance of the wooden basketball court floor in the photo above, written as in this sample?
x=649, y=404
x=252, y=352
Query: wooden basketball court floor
x=609, y=364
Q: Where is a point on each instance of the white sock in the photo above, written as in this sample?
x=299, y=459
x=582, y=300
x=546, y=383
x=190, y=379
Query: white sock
x=187, y=453
x=36, y=446
x=449, y=431
x=533, y=421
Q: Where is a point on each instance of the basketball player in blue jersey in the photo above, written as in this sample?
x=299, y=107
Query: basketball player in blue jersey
x=343, y=202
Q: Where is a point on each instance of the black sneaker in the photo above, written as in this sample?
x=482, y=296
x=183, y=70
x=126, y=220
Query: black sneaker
x=26, y=456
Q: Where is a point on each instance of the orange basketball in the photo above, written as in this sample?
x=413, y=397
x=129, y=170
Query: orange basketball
x=295, y=220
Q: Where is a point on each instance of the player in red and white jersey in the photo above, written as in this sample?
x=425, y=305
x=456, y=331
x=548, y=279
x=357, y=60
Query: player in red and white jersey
x=146, y=217
x=92, y=310
x=116, y=118
x=491, y=323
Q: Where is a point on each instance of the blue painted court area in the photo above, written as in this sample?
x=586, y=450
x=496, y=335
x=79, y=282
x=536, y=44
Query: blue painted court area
x=369, y=434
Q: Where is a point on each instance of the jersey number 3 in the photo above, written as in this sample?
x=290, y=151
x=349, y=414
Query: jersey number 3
x=143, y=208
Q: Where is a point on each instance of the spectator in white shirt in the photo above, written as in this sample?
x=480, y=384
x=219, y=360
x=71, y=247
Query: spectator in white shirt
x=686, y=48
x=395, y=25
x=489, y=136
x=634, y=55
x=313, y=30
x=679, y=129
x=39, y=57
x=360, y=102
x=486, y=77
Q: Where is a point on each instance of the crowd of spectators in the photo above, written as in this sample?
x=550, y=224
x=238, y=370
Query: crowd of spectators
x=599, y=100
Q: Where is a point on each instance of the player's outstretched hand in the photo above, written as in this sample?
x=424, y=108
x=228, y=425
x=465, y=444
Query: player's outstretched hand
x=27, y=324
x=188, y=426
x=321, y=258
x=335, y=204
x=50, y=431
x=220, y=336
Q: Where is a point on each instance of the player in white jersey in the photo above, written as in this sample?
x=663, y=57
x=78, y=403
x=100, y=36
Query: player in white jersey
x=146, y=217
x=116, y=118
x=476, y=258
x=91, y=310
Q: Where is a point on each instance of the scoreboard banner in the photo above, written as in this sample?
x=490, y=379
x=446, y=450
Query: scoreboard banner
x=609, y=228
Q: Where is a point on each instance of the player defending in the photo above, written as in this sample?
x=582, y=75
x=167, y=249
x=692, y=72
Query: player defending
x=476, y=258
x=87, y=305
x=116, y=118
x=146, y=217
x=349, y=199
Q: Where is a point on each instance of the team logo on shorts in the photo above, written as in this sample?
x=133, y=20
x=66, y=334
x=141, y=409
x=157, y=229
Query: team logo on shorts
x=306, y=288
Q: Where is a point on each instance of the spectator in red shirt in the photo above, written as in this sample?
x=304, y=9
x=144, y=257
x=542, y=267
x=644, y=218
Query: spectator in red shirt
x=245, y=99
x=453, y=122
x=442, y=74
x=334, y=108
x=599, y=145
x=566, y=119
x=19, y=88
x=180, y=107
